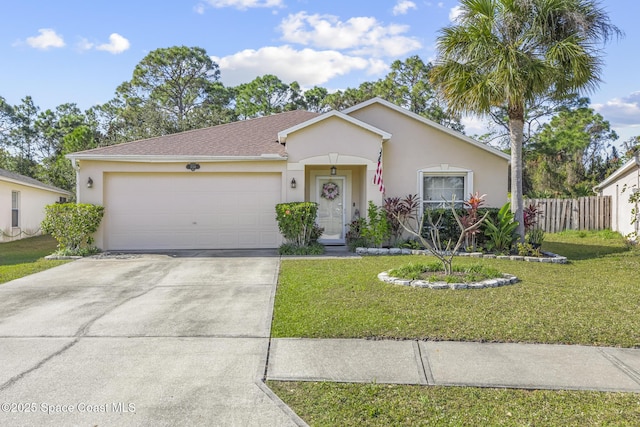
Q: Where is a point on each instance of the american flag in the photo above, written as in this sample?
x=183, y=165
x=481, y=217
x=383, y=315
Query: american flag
x=377, y=179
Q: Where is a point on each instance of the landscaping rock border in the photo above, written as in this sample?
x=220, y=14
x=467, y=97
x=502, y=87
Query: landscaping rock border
x=548, y=257
x=61, y=257
x=506, y=279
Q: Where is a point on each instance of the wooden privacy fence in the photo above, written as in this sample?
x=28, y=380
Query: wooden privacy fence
x=584, y=213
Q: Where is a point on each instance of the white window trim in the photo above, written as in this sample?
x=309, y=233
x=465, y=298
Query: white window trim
x=15, y=206
x=444, y=170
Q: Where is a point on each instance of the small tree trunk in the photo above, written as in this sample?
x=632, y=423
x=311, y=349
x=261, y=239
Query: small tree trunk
x=516, y=136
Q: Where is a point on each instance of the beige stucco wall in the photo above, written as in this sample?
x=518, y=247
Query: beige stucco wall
x=415, y=146
x=620, y=206
x=31, y=209
x=337, y=142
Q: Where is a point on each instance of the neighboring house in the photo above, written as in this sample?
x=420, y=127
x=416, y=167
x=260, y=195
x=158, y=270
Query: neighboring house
x=218, y=187
x=620, y=185
x=22, y=202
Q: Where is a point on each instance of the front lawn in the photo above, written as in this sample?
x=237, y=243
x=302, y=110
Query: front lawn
x=593, y=300
x=26, y=256
x=328, y=404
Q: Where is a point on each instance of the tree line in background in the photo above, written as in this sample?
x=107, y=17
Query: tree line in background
x=178, y=88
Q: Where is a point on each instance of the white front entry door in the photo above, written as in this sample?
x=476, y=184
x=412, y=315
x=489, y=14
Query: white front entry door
x=331, y=197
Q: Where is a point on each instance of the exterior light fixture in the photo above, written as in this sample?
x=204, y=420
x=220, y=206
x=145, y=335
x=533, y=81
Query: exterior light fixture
x=89, y=183
x=334, y=170
x=193, y=166
x=293, y=183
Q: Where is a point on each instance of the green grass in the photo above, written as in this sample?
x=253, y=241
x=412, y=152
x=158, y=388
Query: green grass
x=433, y=272
x=26, y=256
x=327, y=404
x=593, y=300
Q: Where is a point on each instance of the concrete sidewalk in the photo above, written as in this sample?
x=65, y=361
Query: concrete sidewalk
x=527, y=366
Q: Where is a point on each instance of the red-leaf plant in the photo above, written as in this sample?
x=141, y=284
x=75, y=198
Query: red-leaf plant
x=434, y=245
x=470, y=218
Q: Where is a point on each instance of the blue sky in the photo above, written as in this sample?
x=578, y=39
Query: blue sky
x=81, y=50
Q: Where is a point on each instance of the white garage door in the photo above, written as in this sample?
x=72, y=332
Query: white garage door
x=191, y=210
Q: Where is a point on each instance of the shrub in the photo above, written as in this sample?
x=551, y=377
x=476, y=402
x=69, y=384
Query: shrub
x=399, y=210
x=311, y=249
x=297, y=222
x=72, y=225
x=377, y=229
x=535, y=237
x=501, y=233
x=354, y=235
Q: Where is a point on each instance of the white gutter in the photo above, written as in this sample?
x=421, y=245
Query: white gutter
x=39, y=187
x=174, y=159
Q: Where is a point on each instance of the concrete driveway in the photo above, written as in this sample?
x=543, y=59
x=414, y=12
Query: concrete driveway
x=149, y=340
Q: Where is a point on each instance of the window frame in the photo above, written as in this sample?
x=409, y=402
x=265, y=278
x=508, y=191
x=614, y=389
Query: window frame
x=443, y=171
x=15, y=209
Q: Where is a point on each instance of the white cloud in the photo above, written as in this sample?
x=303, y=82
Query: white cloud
x=199, y=8
x=245, y=4
x=307, y=66
x=403, y=6
x=474, y=125
x=621, y=111
x=84, y=45
x=48, y=38
x=454, y=13
x=359, y=35
x=117, y=44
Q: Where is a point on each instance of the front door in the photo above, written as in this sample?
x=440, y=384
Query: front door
x=330, y=196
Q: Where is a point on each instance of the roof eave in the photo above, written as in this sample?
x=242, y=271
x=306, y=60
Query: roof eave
x=282, y=135
x=378, y=100
x=31, y=185
x=622, y=170
x=174, y=159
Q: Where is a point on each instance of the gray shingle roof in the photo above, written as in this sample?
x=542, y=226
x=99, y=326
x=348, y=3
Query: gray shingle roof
x=29, y=181
x=253, y=137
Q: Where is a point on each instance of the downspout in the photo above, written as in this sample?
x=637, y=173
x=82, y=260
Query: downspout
x=76, y=166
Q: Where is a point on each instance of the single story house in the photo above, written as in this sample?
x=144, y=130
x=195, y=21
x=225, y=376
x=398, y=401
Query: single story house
x=218, y=187
x=23, y=200
x=619, y=186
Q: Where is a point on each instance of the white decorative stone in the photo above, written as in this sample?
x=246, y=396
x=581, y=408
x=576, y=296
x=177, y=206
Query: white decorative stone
x=490, y=256
x=406, y=251
x=475, y=254
x=395, y=251
x=532, y=259
x=516, y=258
x=439, y=285
x=383, y=251
x=361, y=251
x=477, y=285
x=458, y=285
x=420, y=284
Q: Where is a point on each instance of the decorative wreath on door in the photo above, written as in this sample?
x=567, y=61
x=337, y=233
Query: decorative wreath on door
x=330, y=191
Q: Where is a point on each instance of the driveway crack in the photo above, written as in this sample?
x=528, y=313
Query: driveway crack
x=37, y=366
x=78, y=335
x=82, y=331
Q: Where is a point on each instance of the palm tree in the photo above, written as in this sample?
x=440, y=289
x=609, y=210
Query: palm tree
x=510, y=53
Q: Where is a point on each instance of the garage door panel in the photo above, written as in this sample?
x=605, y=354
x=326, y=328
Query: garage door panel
x=191, y=211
